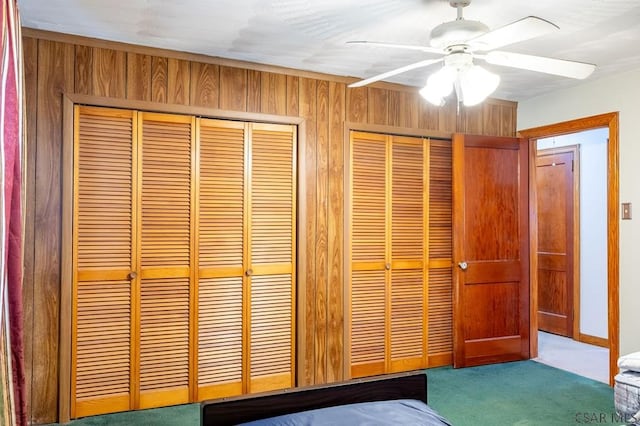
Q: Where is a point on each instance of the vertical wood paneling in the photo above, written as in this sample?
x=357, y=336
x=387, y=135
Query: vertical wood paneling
x=357, y=100
x=335, y=234
x=292, y=96
x=405, y=110
x=448, y=117
x=429, y=115
x=205, y=85
x=142, y=77
x=55, y=76
x=84, y=70
x=273, y=89
x=498, y=118
x=159, y=76
x=233, y=88
x=254, y=82
x=507, y=121
x=30, y=55
x=109, y=72
x=471, y=120
x=307, y=103
x=138, y=77
x=179, y=76
x=378, y=105
x=322, y=272
x=395, y=108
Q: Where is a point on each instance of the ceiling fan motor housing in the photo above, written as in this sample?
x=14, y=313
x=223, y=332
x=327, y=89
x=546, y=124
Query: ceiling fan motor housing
x=456, y=32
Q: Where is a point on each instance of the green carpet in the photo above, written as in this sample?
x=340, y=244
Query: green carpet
x=519, y=393
x=179, y=415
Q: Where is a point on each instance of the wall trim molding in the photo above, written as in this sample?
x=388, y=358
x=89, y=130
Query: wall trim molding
x=593, y=340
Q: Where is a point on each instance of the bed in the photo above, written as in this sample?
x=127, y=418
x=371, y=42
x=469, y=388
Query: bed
x=389, y=399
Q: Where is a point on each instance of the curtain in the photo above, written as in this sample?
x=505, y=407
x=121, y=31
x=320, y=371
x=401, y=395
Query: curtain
x=11, y=220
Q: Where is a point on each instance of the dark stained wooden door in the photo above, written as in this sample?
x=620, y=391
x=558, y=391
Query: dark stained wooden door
x=555, y=194
x=491, y=249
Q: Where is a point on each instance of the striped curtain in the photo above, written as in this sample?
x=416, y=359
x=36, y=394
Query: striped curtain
x=11, y=220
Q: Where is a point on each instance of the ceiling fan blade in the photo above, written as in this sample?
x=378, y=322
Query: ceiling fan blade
x=398, y=46
x=394, y=72
x=571, y=69
x=521, y=30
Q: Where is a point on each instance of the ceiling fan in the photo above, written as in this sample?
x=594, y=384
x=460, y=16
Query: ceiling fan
x=461, y=40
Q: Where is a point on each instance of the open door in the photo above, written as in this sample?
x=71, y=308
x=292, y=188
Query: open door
x=491, y=249
x=556, y=191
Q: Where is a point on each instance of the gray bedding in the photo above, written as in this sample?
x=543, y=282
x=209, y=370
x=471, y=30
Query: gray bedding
x=397, y=412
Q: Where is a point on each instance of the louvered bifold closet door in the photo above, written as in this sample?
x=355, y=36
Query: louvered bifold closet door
x=368, y=267
x=165, y=258
x=221, y=206
x=104, y=238
x=440, y=255
x=270, y=257
x=408, y=253
x=388, y=253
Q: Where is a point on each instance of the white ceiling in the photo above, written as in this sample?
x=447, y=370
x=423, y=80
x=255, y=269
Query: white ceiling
x=311, y=34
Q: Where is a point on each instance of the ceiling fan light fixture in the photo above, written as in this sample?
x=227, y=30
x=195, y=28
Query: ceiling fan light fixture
x=476, y=84
x=472, y=82
x=439, y=85
x=460, y=40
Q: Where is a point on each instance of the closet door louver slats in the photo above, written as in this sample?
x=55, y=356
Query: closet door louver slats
x=220, y=256
x=368, y=194
x=271, y=257
x=165, y=258
x=184, y=236
x=440, y=312
x=220, y=337
x=440, y=255
x=103, y=251
x=408, y=254
x=407, y=320
x=368, y=299
x=400, y=253
x=407, y=200
x=368, y=253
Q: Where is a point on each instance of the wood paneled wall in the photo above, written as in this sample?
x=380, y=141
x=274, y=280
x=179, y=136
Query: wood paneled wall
x=58, y=64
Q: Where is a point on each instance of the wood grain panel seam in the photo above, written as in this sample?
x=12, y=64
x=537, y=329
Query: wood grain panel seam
x=31, y=223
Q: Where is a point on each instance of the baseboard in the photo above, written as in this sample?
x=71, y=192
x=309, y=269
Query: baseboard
x=593, y=340
x=441, y=359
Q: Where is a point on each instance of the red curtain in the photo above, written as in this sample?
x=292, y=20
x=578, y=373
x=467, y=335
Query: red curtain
x=11, y=222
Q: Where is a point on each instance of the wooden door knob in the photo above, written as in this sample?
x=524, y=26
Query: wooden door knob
x=387, y=266
x=133, y=275
x=249, y=272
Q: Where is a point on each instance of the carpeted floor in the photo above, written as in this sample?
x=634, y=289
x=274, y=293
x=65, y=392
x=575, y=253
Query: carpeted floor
x=523, y=393
x=519, y=393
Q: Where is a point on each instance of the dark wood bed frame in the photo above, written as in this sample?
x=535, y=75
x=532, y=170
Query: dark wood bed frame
x=246, y=408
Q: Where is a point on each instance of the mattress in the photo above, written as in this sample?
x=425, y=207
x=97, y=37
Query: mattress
x=627, y=395
x=397, y=412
